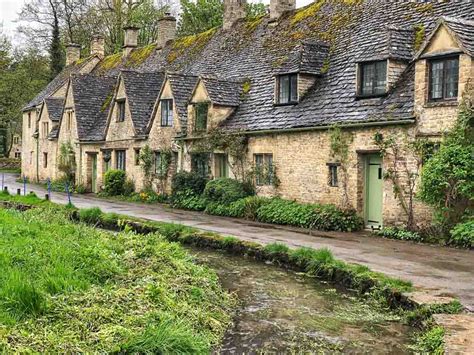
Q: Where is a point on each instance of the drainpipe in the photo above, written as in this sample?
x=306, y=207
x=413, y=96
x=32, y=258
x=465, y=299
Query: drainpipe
x=37, y=160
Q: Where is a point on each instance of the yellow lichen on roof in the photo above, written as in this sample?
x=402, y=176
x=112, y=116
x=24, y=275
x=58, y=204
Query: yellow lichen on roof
x=139, y=55
x=110, y=61
x=82, y=60
x=252, y=24
x=306, y=12
x=191, y=44
x=107, y=101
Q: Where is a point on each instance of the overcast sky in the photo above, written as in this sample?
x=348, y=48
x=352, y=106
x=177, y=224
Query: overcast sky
x=9, y=13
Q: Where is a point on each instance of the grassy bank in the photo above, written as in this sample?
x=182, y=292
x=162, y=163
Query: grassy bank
x=67, y=287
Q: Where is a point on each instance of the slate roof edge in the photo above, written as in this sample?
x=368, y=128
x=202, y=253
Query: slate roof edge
x=408, y=120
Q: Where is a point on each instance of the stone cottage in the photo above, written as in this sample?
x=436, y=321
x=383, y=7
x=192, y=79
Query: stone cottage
x=278, y=84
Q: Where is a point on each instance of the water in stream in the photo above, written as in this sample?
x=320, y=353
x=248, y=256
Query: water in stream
x=286, y=312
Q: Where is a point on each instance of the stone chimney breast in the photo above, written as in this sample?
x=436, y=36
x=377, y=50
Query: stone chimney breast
x=166, y=30
x=98, y=46
x=73, y=53
x=279, y=7
x=130, y=40
x=234, y=10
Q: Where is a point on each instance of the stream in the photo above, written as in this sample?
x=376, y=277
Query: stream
x=283, y=311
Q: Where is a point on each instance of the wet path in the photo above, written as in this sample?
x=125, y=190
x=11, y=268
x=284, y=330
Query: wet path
x=286, y=312
x=442, y=270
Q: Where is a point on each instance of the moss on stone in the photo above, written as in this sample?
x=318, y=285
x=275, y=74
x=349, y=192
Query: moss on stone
x=107, y=101
x=252, y=24
x=305, y=12
x=110, y=61
x=191, y=44
x=83, y=60
x=139, y=55
x=419, y=36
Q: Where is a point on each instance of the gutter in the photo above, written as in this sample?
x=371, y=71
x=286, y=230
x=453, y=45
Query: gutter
x=317, y=128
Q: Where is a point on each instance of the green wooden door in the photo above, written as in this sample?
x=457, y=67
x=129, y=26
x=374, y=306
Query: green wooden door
x=94, y=173
x=374, y=191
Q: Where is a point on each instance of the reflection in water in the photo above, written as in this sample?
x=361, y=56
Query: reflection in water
x=286, y=312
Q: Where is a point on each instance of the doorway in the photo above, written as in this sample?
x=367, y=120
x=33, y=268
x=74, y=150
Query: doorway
x=373, y=191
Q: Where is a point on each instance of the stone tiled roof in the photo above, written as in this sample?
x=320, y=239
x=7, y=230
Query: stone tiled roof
x=56, y=83
x=142, y=89
x=182, y=86
x=307, y=57
x=92, y=98
x=54, y=133
x=55, y=107
x=223, y=92
x=393, y=43
x=464, y=31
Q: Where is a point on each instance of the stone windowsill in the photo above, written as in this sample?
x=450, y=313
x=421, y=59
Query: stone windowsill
x=447, y=103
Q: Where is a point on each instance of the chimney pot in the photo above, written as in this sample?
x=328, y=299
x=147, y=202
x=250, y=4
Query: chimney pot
x=131, y=39
x=73, y=53
x=234, y=10
x=279, y=7
x=98, y=46
x=166, y=30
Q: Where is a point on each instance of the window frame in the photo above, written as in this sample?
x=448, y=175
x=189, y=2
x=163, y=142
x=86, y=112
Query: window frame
x=166, y=120
x=197, y=106
x=45, y=129
x=333, y=174
x=290, y=92
x=45, y=160
x=120, y=110
x=444, y=60
x=118, y=152
x=268, y=177
x=221, y=165
x=361, y=67
x=29, y=120
x=137, y=156
x=194, y=168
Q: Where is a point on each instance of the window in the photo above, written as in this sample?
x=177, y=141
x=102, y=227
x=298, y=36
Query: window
x=220, y=166
x=137, y=156
x=333, y=180
x=444, y=77
x=373, y=78
x=120, y=110
x=29, y=119
x=160, y=164
x=17, y=155
x=31, y=157
x=68, y=119
x=201, y=110
x=288, y=89
x=264, y=169
x=200, y=164
x=45, y=128
x=167, y=113
x=120, y=159
x=16, y=140
x=45, y=160
x=107, y=155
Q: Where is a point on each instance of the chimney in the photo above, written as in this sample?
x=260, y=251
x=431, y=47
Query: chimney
x=131, y=40
x=279, y=7
x=98, y=46
x=166, y=30
x=73, y=53
x=234, y=10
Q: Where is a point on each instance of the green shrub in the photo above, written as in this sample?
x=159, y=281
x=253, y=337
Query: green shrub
x=128, y=188
x=110, y=218
x=306, y=258
x=90, y=215
x=276, y=249
x=80, y=189
x=462, y=234
x=224, y=191
x=399, y=233
x=247, y=207
x=114, y=182
x=188, y=181
x=287, y=212
x=188, y=200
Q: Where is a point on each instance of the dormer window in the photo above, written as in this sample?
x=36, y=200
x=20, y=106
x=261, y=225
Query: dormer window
x=444, y=79
x=201, y=110
x=287, y=89
x=166, y=112
x=372, y=78
x=120, y=110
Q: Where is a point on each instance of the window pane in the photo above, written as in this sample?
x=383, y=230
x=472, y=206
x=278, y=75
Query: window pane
x=284, y=87
x=294, y=88
x=381, y=77
x=201, y=117
x=368, y=73
x=437, y=80
x=170, y=113
x=452, y=76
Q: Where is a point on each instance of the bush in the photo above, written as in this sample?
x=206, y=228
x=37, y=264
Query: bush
x=80, y=189
x=224, y=191
x=128, y=188
x=399, y=233
x=247, y=207
x=90, y=215
x=188, y=181
x=149, y=196
x=462, y=234
x=114, y=182
x=187, y=199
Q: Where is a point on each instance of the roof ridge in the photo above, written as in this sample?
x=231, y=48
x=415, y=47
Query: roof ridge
x=458, y=20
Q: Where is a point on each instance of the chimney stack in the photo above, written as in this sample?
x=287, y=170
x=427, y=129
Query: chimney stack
x=73, y=53
x=98, y=46
x=166, y=30
x=131, y=40
x=279, y=7
x=234, y=10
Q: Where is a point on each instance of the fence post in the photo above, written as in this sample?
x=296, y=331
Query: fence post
x=3, y=180
x=24, y=185
x=68, y=193
x=49, y=186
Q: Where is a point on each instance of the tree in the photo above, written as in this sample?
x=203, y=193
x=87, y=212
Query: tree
x=447, y=179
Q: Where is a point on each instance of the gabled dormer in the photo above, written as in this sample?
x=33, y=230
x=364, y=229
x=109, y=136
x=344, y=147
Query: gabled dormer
x=212, y=101
x=382, y=58
x=49, y=118
x=132, y=105
x=298, y=73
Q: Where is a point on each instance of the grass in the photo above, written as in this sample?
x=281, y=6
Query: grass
x=67, y=287
x=29, y=199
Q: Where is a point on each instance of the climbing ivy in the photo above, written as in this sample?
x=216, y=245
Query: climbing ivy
x=340, y=142
x=146, y=162
x=67, y=161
